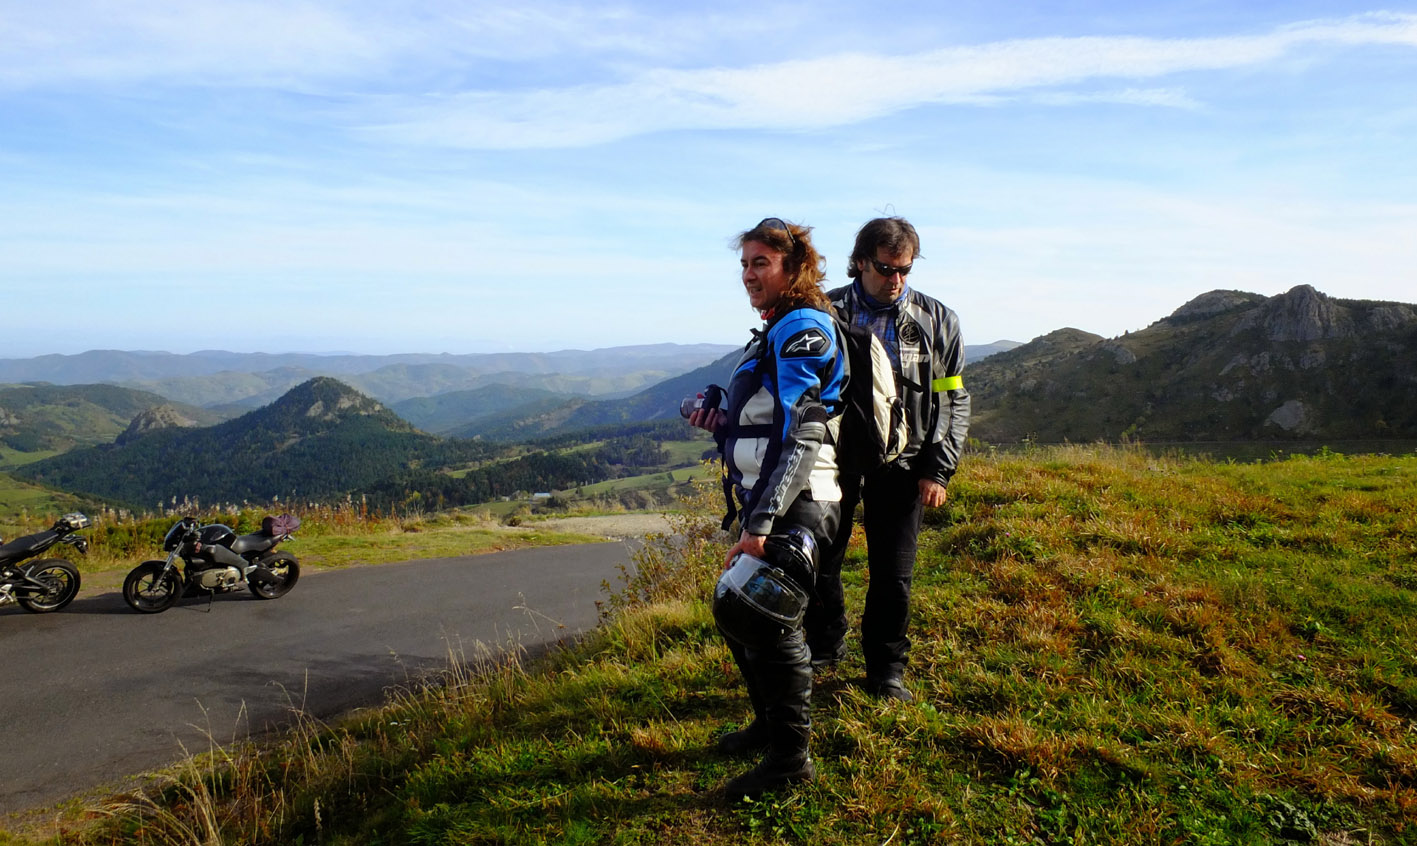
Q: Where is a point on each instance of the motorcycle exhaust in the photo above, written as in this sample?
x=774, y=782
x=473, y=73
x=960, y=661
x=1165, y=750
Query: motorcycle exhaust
x=262, y=575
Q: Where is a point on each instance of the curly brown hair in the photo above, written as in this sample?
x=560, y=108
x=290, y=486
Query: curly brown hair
x=894, y=233
x=805, y=267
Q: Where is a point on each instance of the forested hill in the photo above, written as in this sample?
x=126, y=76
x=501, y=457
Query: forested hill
x=1228, y=365
x=319, y=440
x=324, y=440
x=36, y=417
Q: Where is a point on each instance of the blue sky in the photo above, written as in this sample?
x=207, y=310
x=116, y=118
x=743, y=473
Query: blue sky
x=307, y=175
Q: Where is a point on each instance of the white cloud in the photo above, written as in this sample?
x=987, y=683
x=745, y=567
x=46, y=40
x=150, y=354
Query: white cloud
x=848, y=88
x=1168, y=97
x=246, y=42
x=304, y=44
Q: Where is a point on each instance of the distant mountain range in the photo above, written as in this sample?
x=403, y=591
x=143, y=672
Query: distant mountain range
x=125, y=366
x=657, y=402
x=660, y=401
x=241, y=381
x=1228, y=365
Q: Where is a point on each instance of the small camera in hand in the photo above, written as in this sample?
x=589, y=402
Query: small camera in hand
x=710, y=397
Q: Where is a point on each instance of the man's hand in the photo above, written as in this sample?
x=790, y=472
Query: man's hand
x=708, y=419
x=751, y=544
x=932, y=493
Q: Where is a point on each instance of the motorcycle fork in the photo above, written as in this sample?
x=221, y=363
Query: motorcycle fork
x=167, y=568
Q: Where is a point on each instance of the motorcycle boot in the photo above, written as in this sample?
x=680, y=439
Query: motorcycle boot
x=754, y=737
x=783, y=675
x=889, y=685
x=774, y=772
x=824, y=657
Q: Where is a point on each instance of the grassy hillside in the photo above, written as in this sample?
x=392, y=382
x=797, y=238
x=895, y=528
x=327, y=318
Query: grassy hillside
x=1109, y=648
x=19, y=501
x=40, y=418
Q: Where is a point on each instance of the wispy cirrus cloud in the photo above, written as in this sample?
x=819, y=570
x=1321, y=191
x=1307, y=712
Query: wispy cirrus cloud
x=845, y=89
x=337, y=46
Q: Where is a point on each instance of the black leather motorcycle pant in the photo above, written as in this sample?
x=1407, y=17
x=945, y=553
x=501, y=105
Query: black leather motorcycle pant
x=779, y=676
x=892, y=523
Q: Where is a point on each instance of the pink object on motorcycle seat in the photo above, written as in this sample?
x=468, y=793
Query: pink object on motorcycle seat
x=283, y=524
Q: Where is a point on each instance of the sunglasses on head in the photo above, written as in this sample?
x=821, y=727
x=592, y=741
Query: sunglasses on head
x=778, y=224
x=889, y=270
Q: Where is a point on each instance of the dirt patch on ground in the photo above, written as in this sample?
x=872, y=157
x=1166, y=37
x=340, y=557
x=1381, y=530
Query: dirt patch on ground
x=616, y=526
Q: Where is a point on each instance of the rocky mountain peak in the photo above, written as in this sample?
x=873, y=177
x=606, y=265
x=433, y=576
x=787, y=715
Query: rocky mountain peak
x=320, y=404
x=323, y=398
x=152, y=419
x=1212, y=303
x=1300, y=314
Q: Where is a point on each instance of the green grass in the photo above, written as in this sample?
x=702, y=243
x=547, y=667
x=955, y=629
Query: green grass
x=10, y=458
x=21, y=500
x=649, y=481
x=686, y=452
x=1109, y=647
x=415, y=542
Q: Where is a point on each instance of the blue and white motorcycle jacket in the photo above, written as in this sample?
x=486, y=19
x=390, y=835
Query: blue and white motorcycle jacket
x=783, y=405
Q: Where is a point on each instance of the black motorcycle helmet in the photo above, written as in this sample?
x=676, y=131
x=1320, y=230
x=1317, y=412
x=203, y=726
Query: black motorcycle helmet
x=794, y=552
x=756, y=602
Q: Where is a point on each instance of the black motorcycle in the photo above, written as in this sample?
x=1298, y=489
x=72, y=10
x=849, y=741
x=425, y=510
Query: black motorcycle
x=47, y=584
x=213, y=559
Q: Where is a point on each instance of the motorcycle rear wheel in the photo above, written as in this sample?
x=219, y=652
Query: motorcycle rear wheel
x=61, y=585
x=285, y=568
x=146, y=593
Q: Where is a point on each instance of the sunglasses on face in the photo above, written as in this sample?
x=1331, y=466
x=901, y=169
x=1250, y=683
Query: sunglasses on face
x=889, y=270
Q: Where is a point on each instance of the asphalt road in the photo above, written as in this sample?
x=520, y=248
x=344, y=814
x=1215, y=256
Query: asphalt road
x=98, y=692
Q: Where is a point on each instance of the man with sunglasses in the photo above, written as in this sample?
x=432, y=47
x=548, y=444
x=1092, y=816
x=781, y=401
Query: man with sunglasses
x=923, y=339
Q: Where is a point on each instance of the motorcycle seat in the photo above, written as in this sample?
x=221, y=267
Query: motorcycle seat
x=258, y=542
x=23, y=547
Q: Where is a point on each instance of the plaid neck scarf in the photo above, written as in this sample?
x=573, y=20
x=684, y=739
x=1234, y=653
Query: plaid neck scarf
x=880, y=319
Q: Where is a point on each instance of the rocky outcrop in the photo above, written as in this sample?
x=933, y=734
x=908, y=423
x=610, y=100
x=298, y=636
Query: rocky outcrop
x=1301, y=314
x=352, y=403
x=1389, y=316
x=1212, y=303
x=153, y=419
x=1293, y=416
x=1119, y=353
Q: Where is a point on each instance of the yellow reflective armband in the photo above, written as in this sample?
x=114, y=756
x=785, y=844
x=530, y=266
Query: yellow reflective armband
x=949, y=383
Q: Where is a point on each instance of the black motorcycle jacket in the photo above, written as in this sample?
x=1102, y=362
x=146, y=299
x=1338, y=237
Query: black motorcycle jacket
x=930, y=364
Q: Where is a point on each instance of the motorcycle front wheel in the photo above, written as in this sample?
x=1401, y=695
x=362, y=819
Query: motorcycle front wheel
x=146, y=593
x=285, y=570
x=61, y=585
